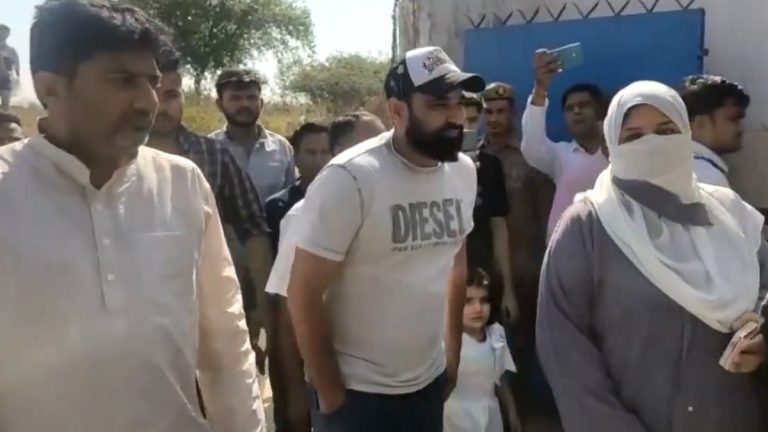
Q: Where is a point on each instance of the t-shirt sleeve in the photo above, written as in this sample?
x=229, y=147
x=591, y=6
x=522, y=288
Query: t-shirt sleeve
x=503, y=360
x=332, y=214
x=281, y=270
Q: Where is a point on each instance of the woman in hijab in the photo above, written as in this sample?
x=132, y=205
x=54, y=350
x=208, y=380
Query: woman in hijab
x=646, y=278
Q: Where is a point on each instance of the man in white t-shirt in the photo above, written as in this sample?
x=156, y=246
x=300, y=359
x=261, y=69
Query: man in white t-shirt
x=345, y=132
x=380, y=253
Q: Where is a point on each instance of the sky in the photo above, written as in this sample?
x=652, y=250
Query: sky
x=359, y=26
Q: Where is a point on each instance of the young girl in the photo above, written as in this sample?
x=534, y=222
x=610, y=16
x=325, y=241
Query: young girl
x=480, y=396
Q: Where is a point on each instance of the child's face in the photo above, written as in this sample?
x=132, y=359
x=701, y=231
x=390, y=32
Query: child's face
x=477, y=308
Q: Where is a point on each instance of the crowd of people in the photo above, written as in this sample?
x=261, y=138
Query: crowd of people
x=405, y=280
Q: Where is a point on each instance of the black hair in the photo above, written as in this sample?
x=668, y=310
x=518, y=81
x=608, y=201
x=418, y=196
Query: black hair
x=168, y=57
x=478, y=277
x=6, y=117
x=705, y=94
x=67, y=33
x=303, y=131
x=472, y=102
x=237, y=79
x=592, y=90
x=345, y=125
x=5, y=27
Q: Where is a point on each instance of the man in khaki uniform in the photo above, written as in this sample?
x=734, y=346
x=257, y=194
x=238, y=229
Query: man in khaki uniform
x=529, y=193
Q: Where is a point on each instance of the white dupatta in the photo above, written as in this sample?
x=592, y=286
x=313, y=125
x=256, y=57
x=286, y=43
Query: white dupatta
x=711, y=271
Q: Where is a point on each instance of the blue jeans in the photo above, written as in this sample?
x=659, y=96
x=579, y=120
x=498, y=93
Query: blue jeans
x=421, y=411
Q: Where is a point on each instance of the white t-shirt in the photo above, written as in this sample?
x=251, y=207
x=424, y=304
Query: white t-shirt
x=286, y=248
x=397, y=227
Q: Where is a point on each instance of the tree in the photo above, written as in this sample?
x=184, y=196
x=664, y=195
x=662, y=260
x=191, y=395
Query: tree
x=343, y=82
x=215, y=34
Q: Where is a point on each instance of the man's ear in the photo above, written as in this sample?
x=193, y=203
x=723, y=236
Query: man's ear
x=49, y=88
x=398, y=113
x=701, y=123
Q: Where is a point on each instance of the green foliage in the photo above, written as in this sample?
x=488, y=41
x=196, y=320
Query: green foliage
x=215, y=34
x=343, y=82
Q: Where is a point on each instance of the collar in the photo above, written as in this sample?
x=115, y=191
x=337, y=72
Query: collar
x=72, y=167
x=700, y=151
x=263, y=137
x=183, y=136
x=296, y=192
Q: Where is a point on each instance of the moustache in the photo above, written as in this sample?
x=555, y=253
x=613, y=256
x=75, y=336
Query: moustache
x=451, y=127
x=245, y=111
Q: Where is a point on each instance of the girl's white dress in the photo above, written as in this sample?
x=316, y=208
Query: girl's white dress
x=473, y=406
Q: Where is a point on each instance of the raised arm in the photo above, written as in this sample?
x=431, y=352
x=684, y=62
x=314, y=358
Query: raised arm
x=541, y=152
x=585, y=393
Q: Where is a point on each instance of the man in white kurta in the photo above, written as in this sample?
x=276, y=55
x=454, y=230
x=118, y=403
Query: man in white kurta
x=112, y=300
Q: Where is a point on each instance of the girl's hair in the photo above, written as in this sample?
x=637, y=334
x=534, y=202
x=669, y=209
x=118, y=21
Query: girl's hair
x=479, y=278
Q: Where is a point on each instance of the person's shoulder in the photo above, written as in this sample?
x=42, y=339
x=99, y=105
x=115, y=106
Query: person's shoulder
x=277, y=139
x=726, y=196
x=464, y=163
x=10, y=153
x=579, y=217
x=365, y=155
x=707, y=173
x=496, y=333
x=218, y=135
x=167, y=164
x=190, y=138
x=277, y=200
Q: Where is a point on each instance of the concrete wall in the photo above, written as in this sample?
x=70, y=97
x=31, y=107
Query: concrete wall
x=735, y=31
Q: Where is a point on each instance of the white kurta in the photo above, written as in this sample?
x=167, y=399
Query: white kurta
x=473, y=406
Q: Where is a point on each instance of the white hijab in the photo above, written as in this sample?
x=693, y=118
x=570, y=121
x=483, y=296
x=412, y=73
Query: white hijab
x=711, y=271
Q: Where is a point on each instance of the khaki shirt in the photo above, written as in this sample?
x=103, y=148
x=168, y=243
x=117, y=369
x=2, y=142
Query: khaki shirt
x=530, y=194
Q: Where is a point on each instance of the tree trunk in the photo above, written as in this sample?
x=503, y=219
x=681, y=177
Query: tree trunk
x=199, y=77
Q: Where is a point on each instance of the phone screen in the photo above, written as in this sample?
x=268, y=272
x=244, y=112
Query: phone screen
x=570, y=55
x=471, y=141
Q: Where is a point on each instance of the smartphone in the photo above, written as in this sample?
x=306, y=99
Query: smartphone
x=570, y=55
x=750, y=330
x=471, y=141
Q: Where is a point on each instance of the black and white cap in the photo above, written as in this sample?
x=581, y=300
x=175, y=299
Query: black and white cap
x=429, y=70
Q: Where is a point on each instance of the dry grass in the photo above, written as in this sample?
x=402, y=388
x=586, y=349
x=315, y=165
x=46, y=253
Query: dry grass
x=202, y=116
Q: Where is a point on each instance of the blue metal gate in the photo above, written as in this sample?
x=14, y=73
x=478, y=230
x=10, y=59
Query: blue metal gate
x=662, y=46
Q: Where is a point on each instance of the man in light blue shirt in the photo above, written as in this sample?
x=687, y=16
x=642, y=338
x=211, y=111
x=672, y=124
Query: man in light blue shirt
x=265, y=156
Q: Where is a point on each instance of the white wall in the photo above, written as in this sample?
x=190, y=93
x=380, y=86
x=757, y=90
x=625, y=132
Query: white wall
x=735, y=37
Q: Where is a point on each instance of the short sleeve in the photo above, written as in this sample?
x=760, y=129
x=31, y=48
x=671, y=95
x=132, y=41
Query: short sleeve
x=503, y=357
x=332, y=214
x=281, y=270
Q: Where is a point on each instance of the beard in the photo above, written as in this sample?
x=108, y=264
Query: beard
x=439, y=145
x=165, y=125
x=242, y=118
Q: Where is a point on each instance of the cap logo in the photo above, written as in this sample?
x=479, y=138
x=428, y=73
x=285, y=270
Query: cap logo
x=501, y=91
x=434, y=61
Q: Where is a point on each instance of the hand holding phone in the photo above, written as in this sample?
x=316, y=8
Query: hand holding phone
x=570, y=55
x=730, y=360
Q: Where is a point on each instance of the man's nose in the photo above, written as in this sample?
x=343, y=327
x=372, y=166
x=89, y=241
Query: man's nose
x=146, y=98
